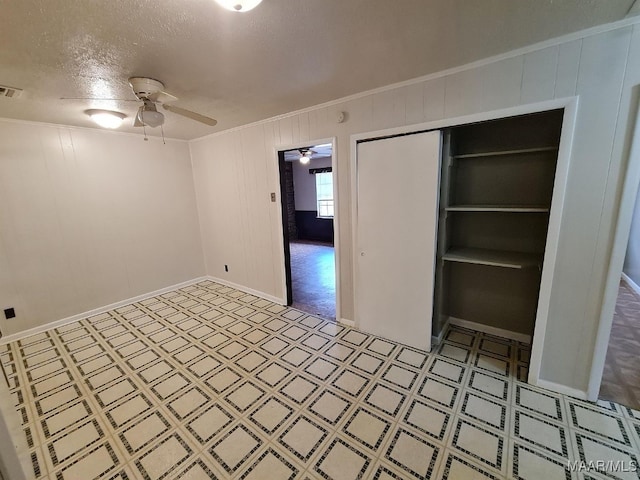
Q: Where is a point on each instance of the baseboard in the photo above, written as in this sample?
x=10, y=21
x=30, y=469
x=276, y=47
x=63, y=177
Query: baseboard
x=436, y=339
x=348, y=323
x=248, y=290
x=630, y=283
x=559, y=388
x=498, y=332
x=96, y=311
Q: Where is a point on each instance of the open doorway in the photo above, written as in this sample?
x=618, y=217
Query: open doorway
x=308, y=206
x=615, y=374
x=621, y=375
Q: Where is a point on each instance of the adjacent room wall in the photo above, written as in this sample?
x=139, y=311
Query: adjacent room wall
x=236, y=170
x=89, y=218
x=305, y=183
x=309, y=226
x=632, y=258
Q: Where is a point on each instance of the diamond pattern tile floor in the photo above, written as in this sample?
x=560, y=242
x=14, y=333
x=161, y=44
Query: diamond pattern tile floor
x=208, y=382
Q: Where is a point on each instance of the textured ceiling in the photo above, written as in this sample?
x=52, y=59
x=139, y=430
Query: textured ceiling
x=239, y=68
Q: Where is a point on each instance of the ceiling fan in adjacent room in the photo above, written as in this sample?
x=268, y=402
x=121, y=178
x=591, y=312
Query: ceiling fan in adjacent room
x=306, y=154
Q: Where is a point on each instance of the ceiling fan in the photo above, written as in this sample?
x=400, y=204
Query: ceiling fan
x=151, y=93
x=306, y=154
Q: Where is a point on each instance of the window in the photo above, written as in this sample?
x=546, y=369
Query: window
x=324, y=194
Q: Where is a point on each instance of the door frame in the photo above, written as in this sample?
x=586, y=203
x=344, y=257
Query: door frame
x=570, y=106
x=285, y=258
x=630, y=171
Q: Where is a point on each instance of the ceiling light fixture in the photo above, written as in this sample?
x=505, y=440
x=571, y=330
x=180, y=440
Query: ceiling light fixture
x=239, y=5
x=106, y=118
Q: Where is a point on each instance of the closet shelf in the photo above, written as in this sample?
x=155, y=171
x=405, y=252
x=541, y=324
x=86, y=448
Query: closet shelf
x=498, y=208
x=498, y=153
x=494, y=258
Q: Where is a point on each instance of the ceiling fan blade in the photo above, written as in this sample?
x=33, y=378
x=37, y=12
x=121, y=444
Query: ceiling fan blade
x=162, y=97
x=100, y=99
x=192, y=115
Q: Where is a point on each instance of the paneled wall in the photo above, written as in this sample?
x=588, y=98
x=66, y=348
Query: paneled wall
x=235, y=172
x=89, y=218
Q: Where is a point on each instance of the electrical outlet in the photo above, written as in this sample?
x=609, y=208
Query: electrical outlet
x=9, y=313
x=273, y=196
x=226, y=268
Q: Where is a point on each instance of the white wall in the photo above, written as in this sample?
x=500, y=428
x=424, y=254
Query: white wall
x=89, y=218
x=304, y=184
x=236, y=170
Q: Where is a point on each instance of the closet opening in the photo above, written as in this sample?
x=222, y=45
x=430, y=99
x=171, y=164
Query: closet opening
x=308, y=211
x=497, y=180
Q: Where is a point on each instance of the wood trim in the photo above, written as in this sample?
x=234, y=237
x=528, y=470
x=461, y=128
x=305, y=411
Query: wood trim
x=251, y=291
x=288, y=287
x=336, y=222
x=437, y=339
x=579, y=35
x=553, y=238
x=563, y=389
x=97, y=311
x=498, y=332
x=630, y=283
x=348, y=323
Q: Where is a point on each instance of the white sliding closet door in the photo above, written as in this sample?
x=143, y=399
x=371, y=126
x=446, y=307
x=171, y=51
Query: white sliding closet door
x=397, y=211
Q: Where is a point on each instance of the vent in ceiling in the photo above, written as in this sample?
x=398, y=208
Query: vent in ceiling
x=9, y=92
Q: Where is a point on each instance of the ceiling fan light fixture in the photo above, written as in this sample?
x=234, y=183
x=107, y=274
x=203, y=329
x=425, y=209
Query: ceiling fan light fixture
x=238, y=5
x=305, y=155
x=106, y=118
x=150, y=117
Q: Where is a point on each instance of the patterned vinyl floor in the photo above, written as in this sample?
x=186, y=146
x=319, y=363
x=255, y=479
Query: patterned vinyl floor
x=209, y=382
x=621, y=377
